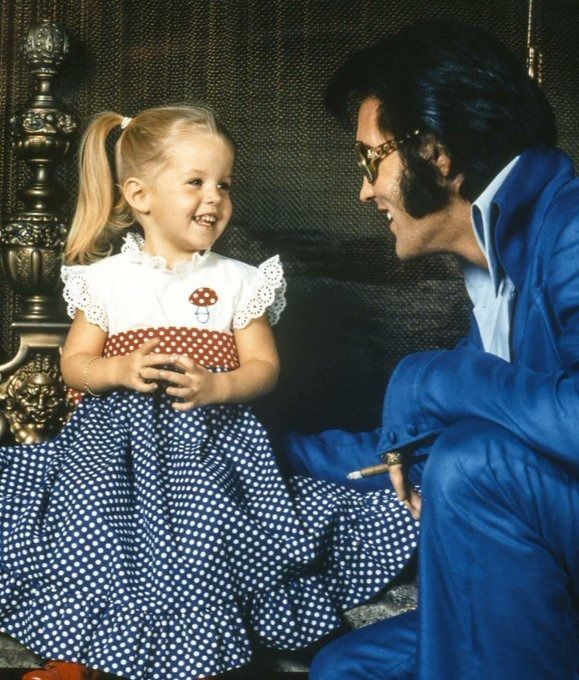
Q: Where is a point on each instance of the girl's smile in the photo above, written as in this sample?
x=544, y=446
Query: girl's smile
x=185, y=206
x=207, y=220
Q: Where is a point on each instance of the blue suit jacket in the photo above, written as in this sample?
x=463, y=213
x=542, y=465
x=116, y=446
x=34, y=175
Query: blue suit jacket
x=536, y=396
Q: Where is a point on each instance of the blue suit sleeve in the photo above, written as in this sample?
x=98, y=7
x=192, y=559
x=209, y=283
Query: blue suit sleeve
x=435, y=389
x=331, y=455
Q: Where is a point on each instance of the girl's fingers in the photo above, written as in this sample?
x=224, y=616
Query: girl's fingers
x=148, y=346
x=152, y=373
x=173, y=377
x=157, y=359
x=146, y=386
x=146, y=374
x=181, y=392
x=182, y=362
x=183, y=406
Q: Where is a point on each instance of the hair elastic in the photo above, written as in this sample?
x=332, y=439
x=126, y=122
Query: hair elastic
x=126, y=120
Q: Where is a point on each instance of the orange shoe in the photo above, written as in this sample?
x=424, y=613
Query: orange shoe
x=62, y=670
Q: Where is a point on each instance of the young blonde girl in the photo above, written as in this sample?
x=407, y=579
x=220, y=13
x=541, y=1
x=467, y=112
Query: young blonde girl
x=155, y=537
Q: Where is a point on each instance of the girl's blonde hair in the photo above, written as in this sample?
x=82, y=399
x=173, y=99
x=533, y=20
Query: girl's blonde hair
x=101, y=210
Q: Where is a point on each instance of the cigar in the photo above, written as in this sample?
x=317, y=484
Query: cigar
x=379, y=469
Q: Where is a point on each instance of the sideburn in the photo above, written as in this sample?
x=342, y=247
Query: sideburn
x=422, y=187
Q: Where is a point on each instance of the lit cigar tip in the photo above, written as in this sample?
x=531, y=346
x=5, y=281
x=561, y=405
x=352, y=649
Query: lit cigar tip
x=355, y=475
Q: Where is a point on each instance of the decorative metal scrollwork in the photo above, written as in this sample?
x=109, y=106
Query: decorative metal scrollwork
x=42, y=134
x=34, y=401
x=46, y=47
x=44, y=231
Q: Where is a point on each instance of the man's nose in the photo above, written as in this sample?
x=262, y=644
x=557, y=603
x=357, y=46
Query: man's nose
x=366, y=191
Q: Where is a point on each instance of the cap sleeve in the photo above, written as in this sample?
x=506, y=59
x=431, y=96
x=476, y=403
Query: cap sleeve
x=263, y=291
x=81, y=292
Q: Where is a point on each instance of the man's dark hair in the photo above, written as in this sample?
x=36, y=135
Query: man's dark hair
x=460, y=87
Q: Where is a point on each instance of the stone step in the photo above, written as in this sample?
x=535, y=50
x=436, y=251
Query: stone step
x=398, y=599
x=15, y=655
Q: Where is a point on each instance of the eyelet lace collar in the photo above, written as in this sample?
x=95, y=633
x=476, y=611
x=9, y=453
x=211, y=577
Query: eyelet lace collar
x=133, y=247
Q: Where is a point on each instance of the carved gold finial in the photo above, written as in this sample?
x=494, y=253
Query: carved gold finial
x=42, y=134
x=46, y=46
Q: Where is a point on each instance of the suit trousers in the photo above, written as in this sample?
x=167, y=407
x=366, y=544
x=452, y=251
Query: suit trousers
x=498, y=564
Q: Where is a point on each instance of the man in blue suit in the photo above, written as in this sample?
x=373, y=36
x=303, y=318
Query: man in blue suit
x=457, y=146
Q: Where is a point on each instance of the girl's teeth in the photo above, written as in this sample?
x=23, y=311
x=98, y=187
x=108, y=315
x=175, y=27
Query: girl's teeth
x=206, y=220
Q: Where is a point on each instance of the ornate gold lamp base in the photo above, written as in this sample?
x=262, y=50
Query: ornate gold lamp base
x=33, y=398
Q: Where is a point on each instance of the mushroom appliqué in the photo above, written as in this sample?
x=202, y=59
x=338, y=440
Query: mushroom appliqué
x=202, y=299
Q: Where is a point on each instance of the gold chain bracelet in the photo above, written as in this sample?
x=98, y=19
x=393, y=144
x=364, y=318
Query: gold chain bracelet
x=85, y=387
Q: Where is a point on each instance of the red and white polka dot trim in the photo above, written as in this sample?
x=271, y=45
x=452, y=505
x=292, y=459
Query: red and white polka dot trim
x=210, y=349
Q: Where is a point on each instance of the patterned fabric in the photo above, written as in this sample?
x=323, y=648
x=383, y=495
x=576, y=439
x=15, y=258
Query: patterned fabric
x=157, y=544
x=210, y=349
x=206, y=348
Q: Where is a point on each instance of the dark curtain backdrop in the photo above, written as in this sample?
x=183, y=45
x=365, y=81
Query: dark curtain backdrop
x=353, y=310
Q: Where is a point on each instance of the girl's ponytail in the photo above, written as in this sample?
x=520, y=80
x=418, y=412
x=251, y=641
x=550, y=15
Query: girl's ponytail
x=101, y=211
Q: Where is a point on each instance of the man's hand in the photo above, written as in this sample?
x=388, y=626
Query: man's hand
x=404, y=489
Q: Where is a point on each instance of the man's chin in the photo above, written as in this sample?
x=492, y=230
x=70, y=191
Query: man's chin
x=410, y=251
x=404, y=253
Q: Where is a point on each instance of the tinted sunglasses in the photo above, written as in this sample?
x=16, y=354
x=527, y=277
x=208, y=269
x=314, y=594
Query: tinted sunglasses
x=369, y=157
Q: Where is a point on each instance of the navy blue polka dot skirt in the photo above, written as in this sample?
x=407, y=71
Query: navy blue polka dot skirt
x=157, y=544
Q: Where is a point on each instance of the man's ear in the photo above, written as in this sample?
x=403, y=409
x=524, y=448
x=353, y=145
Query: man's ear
x=442, y=160
x=434, y=151
x=137, y=195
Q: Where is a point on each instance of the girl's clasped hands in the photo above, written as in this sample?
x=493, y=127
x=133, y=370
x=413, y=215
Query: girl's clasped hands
x=145, y=371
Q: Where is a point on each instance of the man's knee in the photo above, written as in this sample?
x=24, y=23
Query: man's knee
x=466, y=452
x=386, y=649
x=326, y=665
x=334, y=662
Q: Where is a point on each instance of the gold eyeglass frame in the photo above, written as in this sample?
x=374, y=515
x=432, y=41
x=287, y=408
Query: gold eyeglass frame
x=369, y=157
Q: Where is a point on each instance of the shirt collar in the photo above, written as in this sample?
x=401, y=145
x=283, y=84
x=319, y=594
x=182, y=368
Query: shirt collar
x=484, y=219
x=133, y=247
